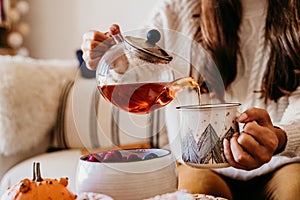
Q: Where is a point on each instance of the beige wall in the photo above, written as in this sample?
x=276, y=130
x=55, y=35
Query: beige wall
x=57, y=25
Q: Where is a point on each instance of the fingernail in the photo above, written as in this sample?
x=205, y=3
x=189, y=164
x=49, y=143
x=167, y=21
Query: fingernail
x=242, y=117
x=225, y=141
x=235, y=135
x=113, y=29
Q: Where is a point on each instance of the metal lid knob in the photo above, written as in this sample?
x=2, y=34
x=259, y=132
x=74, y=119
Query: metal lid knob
x=147, y=49
x=153, y=36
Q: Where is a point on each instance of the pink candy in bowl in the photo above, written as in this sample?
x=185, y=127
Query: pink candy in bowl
x=128, y=174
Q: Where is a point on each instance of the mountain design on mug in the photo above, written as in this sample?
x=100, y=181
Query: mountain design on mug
x=189, y=149
x=208, y=149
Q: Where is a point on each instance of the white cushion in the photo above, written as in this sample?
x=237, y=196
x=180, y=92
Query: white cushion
x=29, y=98
x=53, y=165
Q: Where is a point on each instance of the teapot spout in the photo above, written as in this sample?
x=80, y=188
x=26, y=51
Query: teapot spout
x=181, y=84
x=170, y=90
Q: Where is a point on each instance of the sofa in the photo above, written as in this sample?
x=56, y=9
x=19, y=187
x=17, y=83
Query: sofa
x=52, y=113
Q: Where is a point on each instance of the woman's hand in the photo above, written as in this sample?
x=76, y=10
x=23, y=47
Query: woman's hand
x=256, y=144
x=95, y=44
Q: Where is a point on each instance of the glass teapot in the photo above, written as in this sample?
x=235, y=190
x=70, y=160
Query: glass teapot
x=136, y=76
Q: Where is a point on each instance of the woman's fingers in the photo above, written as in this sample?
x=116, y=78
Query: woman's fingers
x=248, y=143
x=244, y=151
x=228, y=155
x=114, y=29
x=259, y=152
x=94, y=35
x=92, y=63
x=94, y=48
x=96, y=43
x=263, y=135
x=256, y=143
x=258, y=115
x=237, y=156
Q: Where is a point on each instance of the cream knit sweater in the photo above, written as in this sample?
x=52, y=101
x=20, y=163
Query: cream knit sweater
x=172, y=16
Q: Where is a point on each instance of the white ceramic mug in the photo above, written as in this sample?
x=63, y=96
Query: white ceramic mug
x=203, y=129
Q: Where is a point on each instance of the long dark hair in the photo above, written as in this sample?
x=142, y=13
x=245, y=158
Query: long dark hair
x=218, y=33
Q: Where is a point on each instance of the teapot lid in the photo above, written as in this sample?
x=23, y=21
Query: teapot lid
x=147, y=49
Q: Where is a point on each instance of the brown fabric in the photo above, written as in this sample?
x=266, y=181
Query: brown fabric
x=202, y=181
x=284, y=183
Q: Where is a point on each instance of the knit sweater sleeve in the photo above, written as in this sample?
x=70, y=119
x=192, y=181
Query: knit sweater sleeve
x=290, y=122
x=162, y=15
x=175, y=16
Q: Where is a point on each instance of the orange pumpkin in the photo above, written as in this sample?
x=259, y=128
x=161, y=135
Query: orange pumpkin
x=39, y=188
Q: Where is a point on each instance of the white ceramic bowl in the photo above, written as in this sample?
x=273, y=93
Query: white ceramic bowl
x=129, y=180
